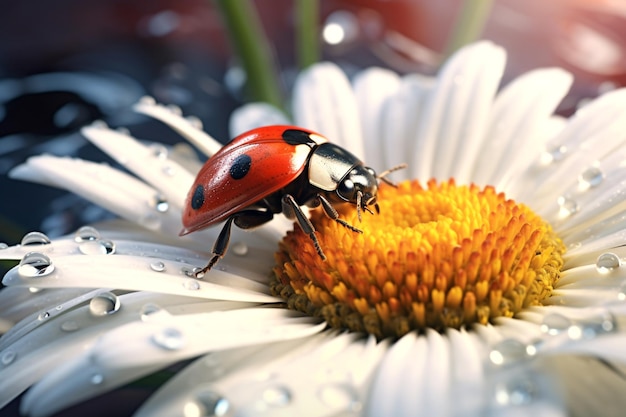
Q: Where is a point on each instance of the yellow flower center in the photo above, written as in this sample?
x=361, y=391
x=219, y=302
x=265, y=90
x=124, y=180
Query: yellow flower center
x=440, y=256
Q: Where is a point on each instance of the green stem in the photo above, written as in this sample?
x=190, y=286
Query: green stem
x=469, y=25
x=307, y=32
x=255, y=52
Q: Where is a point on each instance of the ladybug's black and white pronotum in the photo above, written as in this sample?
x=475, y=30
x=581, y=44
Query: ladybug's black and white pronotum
x=277, y=169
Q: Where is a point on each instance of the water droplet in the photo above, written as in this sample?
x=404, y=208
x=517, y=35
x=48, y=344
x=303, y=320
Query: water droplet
x=161, y=204
x=191, y=284
x=589, y=178
x=555, y=323
x=340, y=396
x=158, y=150
x=97, y=247
x=593, y=326
x=277, y=396
x=607, y=262
x=206, y=404
x=3, y=245
x=554, y=154
x=516, y=392
x=175, y=109
x=169, y=170
x=8, y=357
x=99, y=124
x=508, y=351
x=35, y=265
x=35, y=238
x=86, y=234
x=43, y=316
x=96, y=379
x=567, y=206
x=157, y=266
x=240, y=248
x=104, y=304
x=194, y=122
x=34, y=290
x=621, y=295
x=147, y=100
x=149, y=310
x=69, y=326
x=169, y=338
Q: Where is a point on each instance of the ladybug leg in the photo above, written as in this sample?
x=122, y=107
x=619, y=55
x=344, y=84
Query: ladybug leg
x=332, y=213
x=246, y=219
x=292, y=210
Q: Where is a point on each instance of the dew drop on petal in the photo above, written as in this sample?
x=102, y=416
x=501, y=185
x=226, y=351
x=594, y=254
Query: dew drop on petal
x=169, y=338
x=149, y=310
x=34, y=290
x=35, y=238
x=160, y=204
x=69, y=326
x=147, y=100
x=158, y=150
x=104, y=304
x=516, y=392
x=96, y=379
x=567, y=207
x=593, y=326
x=554, y=154
x=508, y=351
x=97, y=247
x=3, y=245
x=206, y=404
x=35, y=265
x=340, y=396
x=8, y=357
x=195, y=122
x=607, y=262
x=589, y=178
x=174, y=109
x=240, y=248
x=621, y=295
x=191, y=284
x=169, y=170
x=555, y=323
x=277, y=396
x=86, y=234
x=157, y=266
x=43, y=316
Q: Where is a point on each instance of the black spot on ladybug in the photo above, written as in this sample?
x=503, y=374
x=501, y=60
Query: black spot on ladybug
x=297, y=137
x=240, y=167
x=197, y=200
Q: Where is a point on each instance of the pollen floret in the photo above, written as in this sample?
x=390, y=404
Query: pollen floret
x=437, y=256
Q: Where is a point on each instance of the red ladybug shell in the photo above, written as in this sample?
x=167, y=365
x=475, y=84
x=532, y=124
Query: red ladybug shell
x=247, y=169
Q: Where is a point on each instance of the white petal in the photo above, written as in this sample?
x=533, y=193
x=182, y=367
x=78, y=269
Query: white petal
x=324, y=101
x=149, y=163
x=112, y=189
x=516, y=122
x=253, y=115
x=136, y=273
x=136, y=349
x=592, y=134
x=401, y=115
x=455, y=119
x=372, y=87
x=204, y=142
x=39, y=343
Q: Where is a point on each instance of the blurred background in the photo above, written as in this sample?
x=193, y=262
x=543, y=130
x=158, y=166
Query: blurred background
x=66, y=63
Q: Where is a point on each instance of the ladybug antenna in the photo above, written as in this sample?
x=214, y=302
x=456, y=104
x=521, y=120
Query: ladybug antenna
x=359, y=197
x=383, y=174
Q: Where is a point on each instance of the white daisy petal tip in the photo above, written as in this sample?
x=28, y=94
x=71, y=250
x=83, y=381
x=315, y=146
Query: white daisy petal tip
x=254, y=115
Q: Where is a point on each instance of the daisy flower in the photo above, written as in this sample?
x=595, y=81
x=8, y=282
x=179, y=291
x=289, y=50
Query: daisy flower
x=491, y=283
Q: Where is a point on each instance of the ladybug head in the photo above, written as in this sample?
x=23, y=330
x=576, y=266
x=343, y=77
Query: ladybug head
x=360, y=187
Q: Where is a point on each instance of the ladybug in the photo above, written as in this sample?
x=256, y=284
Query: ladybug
x=277, y=169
